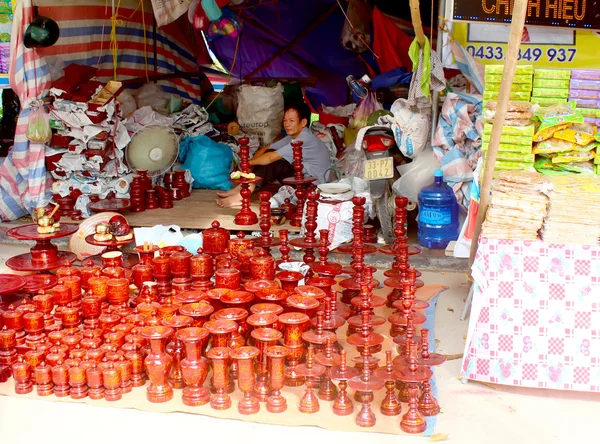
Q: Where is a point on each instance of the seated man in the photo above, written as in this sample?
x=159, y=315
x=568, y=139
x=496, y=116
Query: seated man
x=274, y=162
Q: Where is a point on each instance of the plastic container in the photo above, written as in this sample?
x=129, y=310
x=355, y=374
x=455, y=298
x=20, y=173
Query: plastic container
x=358, y=88
x=438, y=214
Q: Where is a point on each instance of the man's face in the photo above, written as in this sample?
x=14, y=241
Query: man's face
x=292, y=123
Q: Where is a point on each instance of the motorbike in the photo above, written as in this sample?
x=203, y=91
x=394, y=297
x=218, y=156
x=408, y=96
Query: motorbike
x=382, y=157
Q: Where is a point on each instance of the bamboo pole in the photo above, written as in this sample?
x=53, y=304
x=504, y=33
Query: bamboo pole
x=415, y=16
x=510, y=66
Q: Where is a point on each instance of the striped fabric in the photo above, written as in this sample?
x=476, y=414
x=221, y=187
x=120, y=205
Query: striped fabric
x=85, y=39
x=23, y=172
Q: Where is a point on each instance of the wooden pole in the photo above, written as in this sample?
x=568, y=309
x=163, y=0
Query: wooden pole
x=510, y=66
x=415, y=16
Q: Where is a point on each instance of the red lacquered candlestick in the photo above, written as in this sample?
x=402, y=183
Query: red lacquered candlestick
x=265, y=241
x=245, y=216
x=300, y=181
x=342, y=405
x=284, y=249
x=245, y=356
x=276, y=403
x=309, y=242
x=312, y=372
x=390, y=406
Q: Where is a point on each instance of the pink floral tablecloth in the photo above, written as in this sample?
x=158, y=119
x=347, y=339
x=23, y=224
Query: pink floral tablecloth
x=535, y=318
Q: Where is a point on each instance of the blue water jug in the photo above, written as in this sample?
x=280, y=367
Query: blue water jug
x=438, y=214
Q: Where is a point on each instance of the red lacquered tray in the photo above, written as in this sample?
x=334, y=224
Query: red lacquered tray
x=9, y=283
x=37, y=282
x=29, y=232
x=24, y=262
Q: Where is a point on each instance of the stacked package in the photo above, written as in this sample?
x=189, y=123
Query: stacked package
x=518, y=206
x=550, y=86
x=521, y=86
x=585, y=90
x=574, y=210
x=564, y=143
x=516, y=141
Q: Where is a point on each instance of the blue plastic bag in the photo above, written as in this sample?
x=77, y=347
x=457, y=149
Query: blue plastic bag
x=208, y=161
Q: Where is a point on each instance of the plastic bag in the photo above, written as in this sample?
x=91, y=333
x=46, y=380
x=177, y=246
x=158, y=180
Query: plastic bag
x=352, y=163
x=38, y=126
x=127, y=102
x=227, y=25
x=556, y=118
x=411, y=128
x=357, y=29
x=416, y=175
x=153, y=96
x=161, y=235
x=208, y=161
x=581, y=134
x=367, y=106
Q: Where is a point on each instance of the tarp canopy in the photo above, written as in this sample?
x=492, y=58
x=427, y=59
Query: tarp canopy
x=270, y=27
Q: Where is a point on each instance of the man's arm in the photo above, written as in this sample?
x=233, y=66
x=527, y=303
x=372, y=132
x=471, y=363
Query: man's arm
x=259, y=152
x=265, y=159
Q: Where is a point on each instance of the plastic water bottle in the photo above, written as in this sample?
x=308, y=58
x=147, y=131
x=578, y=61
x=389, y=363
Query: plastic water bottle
x=357, y=87
x=438, y=214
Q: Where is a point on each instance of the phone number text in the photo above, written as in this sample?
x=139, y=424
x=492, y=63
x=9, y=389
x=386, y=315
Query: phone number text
x=561, y=55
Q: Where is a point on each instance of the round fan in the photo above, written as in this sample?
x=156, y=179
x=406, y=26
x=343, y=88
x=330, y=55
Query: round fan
x=154, y=148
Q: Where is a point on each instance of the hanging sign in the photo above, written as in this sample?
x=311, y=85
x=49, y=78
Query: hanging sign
x=542, y=47
x=580, y=14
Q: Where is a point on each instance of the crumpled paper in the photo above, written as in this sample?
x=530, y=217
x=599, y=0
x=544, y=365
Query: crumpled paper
x=295, y=266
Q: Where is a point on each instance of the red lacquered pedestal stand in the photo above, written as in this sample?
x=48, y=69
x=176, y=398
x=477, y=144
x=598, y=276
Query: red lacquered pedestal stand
x=44, y=254
x=265, y=240
x=309, y=242
x=300, y=181
x=324, y=267
x=401, y=240
x=245, y=216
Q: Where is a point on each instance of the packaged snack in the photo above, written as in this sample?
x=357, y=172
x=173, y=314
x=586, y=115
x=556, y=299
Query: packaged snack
x=509, y=138
x=589, y=112
x=512, y=130
x=513, y=106
x=509, y=148
x=518, y=96
x=493, y=77
x=506, y=165
x=552, y=145
x=515, y=87
x=555, y=118
x=514, y=157
x=579, y=133
x=577, y=167
x=497, y=69
x=588, y=103
x=540, y=73
x=550, y=83
x=572, y=156
x=585, y=74
x=585, y=84
x=561, y=93
x=545, y=101
x=584, y=94
x=597, y=158
x=490, y=114
x=592, y=121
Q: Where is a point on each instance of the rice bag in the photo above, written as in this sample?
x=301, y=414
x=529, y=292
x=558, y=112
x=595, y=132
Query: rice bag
x=580, y=133
x=498, y=69
x=516, y=96
x=506, y=165
x=545, y=101
x=493, y=77
x=556, y=118
x=514, y=157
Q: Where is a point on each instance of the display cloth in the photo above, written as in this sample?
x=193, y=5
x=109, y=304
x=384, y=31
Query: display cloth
x=325, y=418
x=535, y=316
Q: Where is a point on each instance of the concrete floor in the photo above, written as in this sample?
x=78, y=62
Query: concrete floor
x=471, y=413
